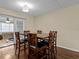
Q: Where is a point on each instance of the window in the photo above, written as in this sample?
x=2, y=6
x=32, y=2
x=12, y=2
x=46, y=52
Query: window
x=16, y=24
x=19, y=25
x=6, y=27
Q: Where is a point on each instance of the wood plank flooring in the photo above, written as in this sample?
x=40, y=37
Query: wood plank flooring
x=9, y=53
x=67, y=54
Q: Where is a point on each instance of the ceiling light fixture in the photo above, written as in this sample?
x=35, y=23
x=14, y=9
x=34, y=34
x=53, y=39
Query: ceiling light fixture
x=26, y=6
x=29, y=5
x=25, y=9
x=26, y=3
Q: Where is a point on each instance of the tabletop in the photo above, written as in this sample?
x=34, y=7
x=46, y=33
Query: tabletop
x=43, y=35
x=39, y=36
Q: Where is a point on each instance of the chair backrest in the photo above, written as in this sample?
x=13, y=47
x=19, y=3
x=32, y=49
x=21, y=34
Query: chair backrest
x=52, y=38
x=39, y=31
x=17, y=36
x=26, y=32
x=53, y=43
x=32, y=39
x=33, y=49
x=1, y=37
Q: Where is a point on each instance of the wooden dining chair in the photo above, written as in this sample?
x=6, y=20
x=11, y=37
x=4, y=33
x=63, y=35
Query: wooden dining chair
x=34, y=50
x=25, y=34
x=1, y=37
x=39, y=31
x=19, y=44
x=52, y=44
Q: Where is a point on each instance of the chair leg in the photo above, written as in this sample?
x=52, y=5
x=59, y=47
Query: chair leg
x=55, y=55
x=48, y=52
x=24, y=50
x=15, y=49
x=24, y=47
x=18, y=52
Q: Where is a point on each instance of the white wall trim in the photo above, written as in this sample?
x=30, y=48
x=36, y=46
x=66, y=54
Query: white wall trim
x=68, y=48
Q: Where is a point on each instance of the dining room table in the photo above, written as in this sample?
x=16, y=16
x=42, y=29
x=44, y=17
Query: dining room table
x=39, y=36
x=43, y=36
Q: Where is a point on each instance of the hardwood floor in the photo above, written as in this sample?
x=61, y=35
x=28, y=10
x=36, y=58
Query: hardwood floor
x=67, y=54
x=9, y=53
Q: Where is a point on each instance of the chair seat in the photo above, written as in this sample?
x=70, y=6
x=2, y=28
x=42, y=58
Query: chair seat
x=23, y=41
x=42, y=43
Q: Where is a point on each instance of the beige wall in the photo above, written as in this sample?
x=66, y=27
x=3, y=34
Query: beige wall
x=66, y=22
x=28, y=19
x=29, y=24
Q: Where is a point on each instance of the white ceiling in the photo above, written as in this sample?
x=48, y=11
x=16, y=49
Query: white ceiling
x=40, y=6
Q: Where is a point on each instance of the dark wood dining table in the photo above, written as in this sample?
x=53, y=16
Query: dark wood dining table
x=39, y=36
x=45, y=36
x=42, y=36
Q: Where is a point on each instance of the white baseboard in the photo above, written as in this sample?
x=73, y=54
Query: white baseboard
x=69, y=48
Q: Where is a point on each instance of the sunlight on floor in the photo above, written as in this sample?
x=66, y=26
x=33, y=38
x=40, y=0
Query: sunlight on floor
x=5, y=42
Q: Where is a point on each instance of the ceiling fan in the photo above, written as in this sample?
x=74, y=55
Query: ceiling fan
x=7, y=20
